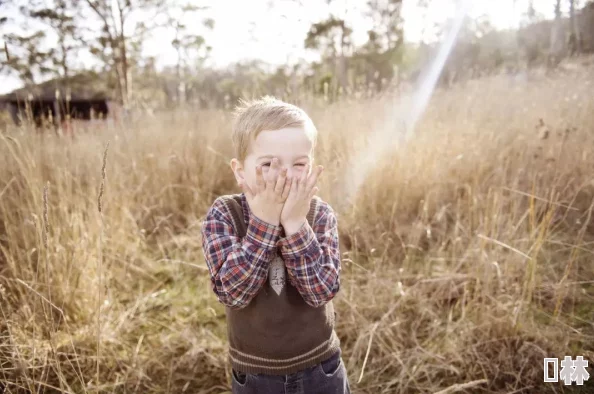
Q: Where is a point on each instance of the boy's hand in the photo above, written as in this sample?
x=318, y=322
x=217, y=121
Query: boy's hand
x=267, y=197
x=302, y=190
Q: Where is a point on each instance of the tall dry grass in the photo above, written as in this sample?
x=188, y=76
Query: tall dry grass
x=467, y=256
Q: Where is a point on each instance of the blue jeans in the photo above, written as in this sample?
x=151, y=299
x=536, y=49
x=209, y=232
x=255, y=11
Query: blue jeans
x=328, y=377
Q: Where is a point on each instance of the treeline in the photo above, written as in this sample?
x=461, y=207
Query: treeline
x=119, y=28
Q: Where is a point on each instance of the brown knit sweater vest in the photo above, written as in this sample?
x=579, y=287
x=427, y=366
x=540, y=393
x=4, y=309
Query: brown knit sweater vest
x=278, y=334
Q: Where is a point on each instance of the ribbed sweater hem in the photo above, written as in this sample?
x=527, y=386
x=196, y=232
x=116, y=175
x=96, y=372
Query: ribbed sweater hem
x=254, y=364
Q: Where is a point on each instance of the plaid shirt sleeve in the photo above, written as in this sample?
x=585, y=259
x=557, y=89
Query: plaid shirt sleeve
x=238, y=267
x=312, y=258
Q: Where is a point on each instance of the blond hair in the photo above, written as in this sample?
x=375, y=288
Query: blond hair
x=266, y=113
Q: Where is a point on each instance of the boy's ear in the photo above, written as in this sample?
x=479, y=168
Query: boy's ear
x=237, y=169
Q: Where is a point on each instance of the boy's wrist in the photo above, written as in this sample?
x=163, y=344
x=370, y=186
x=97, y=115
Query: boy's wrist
x=293, y=226
x=269, y=221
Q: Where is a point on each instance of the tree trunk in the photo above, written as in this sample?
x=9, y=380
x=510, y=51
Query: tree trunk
x=342, y=63
x=124, y=59
x=125, y=74
x=64, y=57
x=556, y=48
x=574, y=32
x=116, y=61
x=114, y=40
x=181, y=81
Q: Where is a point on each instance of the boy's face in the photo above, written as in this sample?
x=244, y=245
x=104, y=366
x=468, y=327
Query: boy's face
x=290, y=146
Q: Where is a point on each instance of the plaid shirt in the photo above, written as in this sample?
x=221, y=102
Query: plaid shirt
x=239, y=267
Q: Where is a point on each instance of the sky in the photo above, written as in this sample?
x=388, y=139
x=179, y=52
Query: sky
x=275, y=34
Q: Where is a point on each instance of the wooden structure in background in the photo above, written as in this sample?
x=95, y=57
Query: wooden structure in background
x=60, y=103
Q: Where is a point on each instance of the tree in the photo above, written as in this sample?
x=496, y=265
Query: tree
x=24, y=50
x=556, y=46
x=59, y=17
x=191, y=48
x=575, y=39
x=25, y=57
x=387, y=22
x=123, y=22
x=332, y=37
x=384, y=47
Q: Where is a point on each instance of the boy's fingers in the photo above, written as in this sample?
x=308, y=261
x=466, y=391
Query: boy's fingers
x=305, y=174
x=313, y=192
x=302, y=179
x=288, y=187
x=272, y=174
x=259, y=179
x=313, y=179
x=280, y=182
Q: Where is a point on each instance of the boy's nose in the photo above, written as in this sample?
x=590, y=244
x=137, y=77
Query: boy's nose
x=292, y=172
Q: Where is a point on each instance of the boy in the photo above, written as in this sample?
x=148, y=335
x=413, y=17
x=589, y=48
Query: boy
x=274, y=259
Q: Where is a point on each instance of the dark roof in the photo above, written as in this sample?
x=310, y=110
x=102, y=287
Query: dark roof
x=80, y=87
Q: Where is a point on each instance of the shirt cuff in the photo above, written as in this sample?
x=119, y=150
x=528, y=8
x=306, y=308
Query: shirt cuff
x=298, y=243
x=262, y=234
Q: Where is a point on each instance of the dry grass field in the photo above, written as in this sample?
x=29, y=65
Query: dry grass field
x=467, y=254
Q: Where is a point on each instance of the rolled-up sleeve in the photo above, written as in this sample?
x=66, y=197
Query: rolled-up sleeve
x=312, y=257
x=238, y=267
